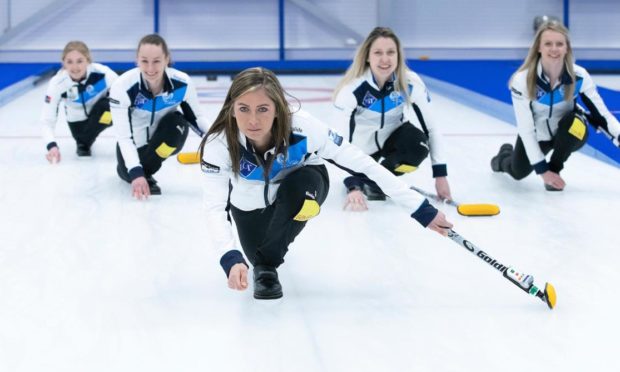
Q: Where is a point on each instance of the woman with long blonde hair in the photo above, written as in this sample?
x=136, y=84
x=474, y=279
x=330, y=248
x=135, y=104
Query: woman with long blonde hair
x=544, y=93
x=83, y=86
x=390, y=116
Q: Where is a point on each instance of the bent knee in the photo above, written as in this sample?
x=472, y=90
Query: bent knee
x=309, y=209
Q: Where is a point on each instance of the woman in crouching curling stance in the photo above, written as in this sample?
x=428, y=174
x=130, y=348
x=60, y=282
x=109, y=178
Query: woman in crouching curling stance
x=145, y=103
x=390, y=117
x=271, y=158
x=544, y=93
x=82, y=85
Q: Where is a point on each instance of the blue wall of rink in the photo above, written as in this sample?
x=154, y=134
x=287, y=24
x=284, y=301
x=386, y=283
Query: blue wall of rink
x=489, y=78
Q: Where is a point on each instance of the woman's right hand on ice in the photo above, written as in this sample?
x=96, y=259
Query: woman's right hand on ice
x=53, y=155
x=553, y=179
x=238, y=277
x=440, y=224
x=356, y=201
x=140, y=188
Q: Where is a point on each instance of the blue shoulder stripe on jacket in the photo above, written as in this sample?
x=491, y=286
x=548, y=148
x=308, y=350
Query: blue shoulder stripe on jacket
x=558, y=94
x=94, y=85
x=143, y=99
x=296, y=152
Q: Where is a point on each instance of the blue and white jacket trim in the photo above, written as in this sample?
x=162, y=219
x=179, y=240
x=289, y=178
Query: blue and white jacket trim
x=78, y=97
x=373, y=114
x=136, y=112
x=538, y=117
x=311, y=141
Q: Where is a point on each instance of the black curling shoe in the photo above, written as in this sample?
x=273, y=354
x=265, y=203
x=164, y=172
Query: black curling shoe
x=82, y=150
x=153, y=186
x=504, y=151
x=266, y=283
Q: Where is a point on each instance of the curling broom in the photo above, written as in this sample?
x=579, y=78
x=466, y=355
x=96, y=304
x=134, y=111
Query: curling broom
x=518, y=278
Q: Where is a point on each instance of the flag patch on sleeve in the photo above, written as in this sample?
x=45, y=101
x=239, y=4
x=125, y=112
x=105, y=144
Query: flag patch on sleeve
x=208, y=167
x=335, y=137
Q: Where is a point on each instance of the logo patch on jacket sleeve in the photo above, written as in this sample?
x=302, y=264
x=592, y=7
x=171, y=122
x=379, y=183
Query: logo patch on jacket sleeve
x=208, y=167
x=335, y=137
x=48, y=99
x=515, y=92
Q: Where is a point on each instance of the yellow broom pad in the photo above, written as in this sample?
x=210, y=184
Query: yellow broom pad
x=550, y=295
x=478, y=209
x=188, y=157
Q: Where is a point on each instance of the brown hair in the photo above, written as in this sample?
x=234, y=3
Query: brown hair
x=531, y=61
x=78, y=46
x=155, y=39
x=360, y=62
x=247, y=81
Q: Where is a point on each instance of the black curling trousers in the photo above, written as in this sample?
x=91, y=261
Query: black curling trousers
x=167, y=140
x=85, y=132
x=564, y=143
x=406, y=145
x=265, y=234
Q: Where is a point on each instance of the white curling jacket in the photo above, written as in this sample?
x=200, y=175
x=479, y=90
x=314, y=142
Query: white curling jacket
x=374, y=114
x=78, y=97
x=136, y=113
x=538, y=118
x=310, y=141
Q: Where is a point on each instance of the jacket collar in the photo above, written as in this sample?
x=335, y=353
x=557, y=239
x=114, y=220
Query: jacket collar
x=245, y=142
x=370, y=78
x=565, y=77
x=168, y=85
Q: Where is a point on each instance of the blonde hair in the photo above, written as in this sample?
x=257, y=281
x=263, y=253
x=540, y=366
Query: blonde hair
x=248, y=81
x=531, y=61
x=78, y=46
x=360, y=62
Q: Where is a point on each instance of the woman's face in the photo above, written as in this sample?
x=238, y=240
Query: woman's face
x=152, y=62
x=553, y=47
x=383, y=58
x=76, y=64
x=255, y=113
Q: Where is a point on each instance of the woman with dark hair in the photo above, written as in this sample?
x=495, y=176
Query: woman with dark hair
x=153, y=106
x=544, y=93
x=82, y=85
x=263, y=162
x=390, y=117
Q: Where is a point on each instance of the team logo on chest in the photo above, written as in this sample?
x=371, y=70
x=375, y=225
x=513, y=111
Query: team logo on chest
x=369, y=99
x=246, y=167
x=540, y=92
x=73, y=92
x=280, y=159
x=168, y=97
x=286, y=162
x=140, y=100
x=561, y=91
x=396, y=97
